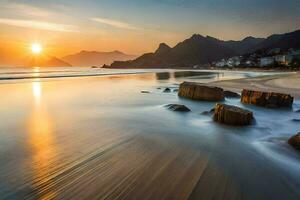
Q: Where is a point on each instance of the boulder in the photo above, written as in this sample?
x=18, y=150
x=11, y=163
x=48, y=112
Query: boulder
x=208, y=112
x=296, y=120
x=144, y=91
x=167, y=90
x=197, y=91
x=294, y=141
x=267, y=99
x=230, y=94
x=178, y=107
x=232, y=115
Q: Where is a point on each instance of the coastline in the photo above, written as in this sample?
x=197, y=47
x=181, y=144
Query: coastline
x=283, y=83
x=103, y=135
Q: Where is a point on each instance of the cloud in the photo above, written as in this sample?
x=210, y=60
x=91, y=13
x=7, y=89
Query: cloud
x=42, y=25
x=28, y=9
x=115, y=23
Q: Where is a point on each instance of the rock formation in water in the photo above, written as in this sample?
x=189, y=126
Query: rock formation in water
x=230, y=94
x=208, y=112
x=267, y=99
x=178, y=107
x=145, y=92
x=295, y=141
x=232, y=115
x=197, y=91
x=166, y=90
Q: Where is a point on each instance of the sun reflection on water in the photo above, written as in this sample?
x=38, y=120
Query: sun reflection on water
x=41, y=142
x=37, y=91
x=36, y=86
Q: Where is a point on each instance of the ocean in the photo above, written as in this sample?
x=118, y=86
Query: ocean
x=83, y=133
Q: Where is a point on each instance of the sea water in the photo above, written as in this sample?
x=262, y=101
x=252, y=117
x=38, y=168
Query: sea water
x=79, y=133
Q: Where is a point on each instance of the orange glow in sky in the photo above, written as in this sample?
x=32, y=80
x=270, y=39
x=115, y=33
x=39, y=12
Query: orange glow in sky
x=135, y=27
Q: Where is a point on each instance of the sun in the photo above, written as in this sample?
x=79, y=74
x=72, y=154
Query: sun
x=36, y=48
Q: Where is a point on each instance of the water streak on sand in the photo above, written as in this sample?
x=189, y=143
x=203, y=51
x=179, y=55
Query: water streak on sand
x=101, y=138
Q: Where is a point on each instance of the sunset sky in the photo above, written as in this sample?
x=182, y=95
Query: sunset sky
x=137, y=26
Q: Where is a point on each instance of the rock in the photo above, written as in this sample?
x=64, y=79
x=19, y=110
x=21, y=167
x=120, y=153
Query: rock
x=178, y=107
x=176, y=90
x=208, y=112
x=267, y=99
x=294, y=141
x=94, y=66
x=296, y=120
x=232, y=115
x=297, y=111
x=167, y=90
x=230, y=94
x=145, y=91
x=197, y=91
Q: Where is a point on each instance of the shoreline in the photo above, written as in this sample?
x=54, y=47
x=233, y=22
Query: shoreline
x=282, y=83
x=262, y=69
x=104, y=132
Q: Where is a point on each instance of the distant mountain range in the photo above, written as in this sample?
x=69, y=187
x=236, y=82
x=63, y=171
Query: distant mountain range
x=199, y=50
x=8, y=59
x=95, y=58
x=48, y=61
x=282, y=41
x=83, y=58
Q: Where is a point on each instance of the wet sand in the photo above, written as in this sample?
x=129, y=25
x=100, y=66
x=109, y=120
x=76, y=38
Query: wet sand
x=287, y=83
x=101, y=138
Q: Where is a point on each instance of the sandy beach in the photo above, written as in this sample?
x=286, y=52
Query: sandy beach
x=150, y=100
x=283, y=83
x=100, y=137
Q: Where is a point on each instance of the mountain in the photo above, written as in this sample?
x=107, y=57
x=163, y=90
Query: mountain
x=282, y=41
x=163, y=49
x=200, y=50
x=243, y=46
x=45, y=61
x=52, y=61
x=91, y=58
x=193, y=51
x=9, y=59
